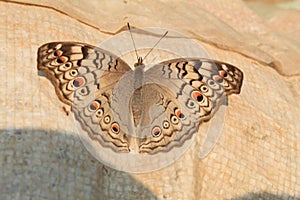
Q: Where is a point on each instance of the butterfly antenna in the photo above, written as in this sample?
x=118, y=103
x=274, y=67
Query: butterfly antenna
x=155, y=44
x=137, y=56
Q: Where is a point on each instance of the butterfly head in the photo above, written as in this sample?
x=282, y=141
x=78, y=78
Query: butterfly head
x=139, y=62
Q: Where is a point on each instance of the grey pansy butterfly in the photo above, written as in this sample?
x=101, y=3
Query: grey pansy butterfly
x=142, y=113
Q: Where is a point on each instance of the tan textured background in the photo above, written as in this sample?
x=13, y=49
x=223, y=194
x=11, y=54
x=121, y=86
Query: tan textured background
x=257, y=155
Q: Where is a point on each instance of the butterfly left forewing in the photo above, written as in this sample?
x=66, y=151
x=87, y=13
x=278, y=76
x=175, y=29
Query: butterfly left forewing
x=72, y=65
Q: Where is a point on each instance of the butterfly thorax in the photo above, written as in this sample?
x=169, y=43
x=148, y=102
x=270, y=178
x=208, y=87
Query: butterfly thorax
x=137, y=98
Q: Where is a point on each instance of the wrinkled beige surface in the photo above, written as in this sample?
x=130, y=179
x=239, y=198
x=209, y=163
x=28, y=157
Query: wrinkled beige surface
x=257, y=154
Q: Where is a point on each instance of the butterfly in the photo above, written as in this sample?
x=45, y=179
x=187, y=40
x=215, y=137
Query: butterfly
x=136, y=112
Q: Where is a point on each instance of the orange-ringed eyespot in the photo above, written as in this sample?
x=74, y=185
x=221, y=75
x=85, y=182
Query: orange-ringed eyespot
x=211, y=82
x=218, y=78
x=84, y=91
x=78, y=82
x=95, y=105
x=178, y=113
x=197, y=95
x=61, y=59
x=115, y=128
x=190, y=103
x=223, y=73
x=156, y=131
x=58, y=53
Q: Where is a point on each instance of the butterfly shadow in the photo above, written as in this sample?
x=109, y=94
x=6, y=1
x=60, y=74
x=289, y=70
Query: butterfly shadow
x=45, y=164
x=44, y=75
x=265, y=195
